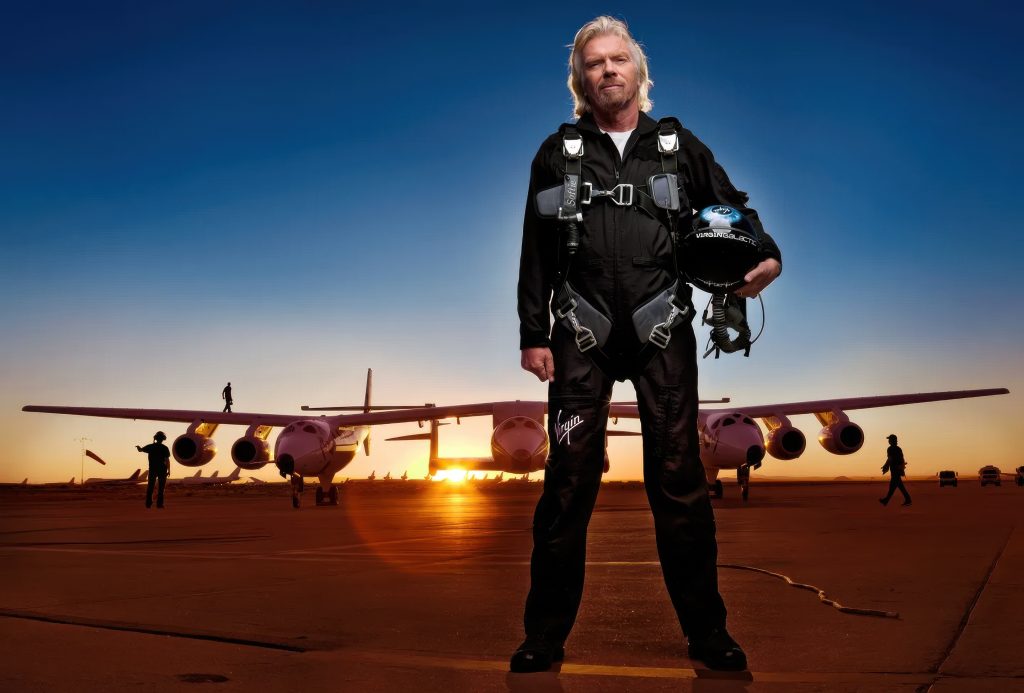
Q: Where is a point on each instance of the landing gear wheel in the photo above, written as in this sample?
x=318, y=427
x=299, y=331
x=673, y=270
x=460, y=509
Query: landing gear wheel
x=745, y=492
x=319, y=496
x=332, y=496
x=717, y=490
x=295, y=500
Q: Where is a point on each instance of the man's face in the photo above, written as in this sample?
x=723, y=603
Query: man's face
x=609, y=74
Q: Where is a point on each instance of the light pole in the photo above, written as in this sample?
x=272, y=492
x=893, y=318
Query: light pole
x=81, y=477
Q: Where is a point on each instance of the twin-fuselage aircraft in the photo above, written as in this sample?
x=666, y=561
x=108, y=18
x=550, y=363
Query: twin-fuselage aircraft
x=321, y=446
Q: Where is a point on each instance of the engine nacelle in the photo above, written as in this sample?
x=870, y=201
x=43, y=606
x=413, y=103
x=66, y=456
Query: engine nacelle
x=193, y=450
x=785, y=443
x=841, y=437
x=250, y=452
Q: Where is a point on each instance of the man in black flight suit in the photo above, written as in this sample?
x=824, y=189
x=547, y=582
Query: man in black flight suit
x=625, y=258
x=159, y=468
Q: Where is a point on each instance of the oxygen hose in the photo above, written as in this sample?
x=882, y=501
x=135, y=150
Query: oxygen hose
x=726, y=313
x=821, y=593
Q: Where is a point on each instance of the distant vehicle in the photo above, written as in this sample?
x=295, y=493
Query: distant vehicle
x=947, y=477
x=989, y=474
x=1020, y=475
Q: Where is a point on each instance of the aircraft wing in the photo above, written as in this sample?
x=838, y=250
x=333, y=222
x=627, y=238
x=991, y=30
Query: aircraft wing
x=760, y=411
x=245, y=419
x=180, y=415
x=843, y=404
x=412, y=414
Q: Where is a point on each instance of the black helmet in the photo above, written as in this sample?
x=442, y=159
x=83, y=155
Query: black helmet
x=720, y=250
x=160, y=437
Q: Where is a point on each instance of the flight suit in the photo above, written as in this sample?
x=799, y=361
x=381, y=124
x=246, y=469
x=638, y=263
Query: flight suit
x=625, y=258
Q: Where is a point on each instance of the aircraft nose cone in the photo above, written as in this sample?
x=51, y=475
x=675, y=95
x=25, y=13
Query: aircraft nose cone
x=755, y=453
x=521, y=455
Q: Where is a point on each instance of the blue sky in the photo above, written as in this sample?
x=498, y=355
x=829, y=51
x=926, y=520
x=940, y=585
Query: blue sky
x=284, y=194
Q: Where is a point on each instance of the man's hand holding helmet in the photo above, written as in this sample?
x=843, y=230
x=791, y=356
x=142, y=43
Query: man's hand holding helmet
x=758, y=279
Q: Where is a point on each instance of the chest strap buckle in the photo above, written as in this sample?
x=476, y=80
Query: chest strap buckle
x=621, y=194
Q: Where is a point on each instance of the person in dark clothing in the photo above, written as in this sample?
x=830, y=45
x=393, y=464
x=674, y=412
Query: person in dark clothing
x=159, y=468
x=897, y=468
x=625, y=257
x=226, y=396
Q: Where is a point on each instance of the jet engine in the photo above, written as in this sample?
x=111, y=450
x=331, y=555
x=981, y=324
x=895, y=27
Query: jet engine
x=250, y=452
x=841, y=437
x=193, y=450
x=195, y=447
x=785, y=443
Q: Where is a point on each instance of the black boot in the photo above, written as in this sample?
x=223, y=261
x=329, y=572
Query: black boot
x=536, y=655
x=718, y=650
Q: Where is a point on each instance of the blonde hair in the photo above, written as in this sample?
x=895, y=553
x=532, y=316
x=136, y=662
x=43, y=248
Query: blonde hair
x=598, y=27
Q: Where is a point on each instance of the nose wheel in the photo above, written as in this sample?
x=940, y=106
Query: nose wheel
x=716, y=488
x=743, y=477
x=297, y=487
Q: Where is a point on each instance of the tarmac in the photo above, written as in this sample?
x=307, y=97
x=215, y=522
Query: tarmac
x=420, y=587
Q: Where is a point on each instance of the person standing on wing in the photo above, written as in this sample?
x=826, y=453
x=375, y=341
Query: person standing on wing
x=610, y=253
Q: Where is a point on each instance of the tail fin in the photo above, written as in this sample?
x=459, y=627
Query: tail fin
x=215, y=473
x=144, y=477
x=135, y=476
x=366, y=407
x=234, y=475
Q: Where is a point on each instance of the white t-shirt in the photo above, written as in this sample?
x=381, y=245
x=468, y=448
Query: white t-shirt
x=620, y=139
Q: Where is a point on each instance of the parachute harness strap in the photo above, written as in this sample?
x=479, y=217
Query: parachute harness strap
x=668, y=146
x=569, y=211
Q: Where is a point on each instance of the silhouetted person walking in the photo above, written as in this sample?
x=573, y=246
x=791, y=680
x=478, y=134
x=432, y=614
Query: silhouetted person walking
x=159, y=468
x=226, y=396
x=897, y=468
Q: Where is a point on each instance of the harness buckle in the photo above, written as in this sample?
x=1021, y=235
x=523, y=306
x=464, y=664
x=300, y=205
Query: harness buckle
x=621, y=194
x=572, y=146
x=660, y=336
x=586, y=193
x=668, y=142
x=565, y=310
x=661, y=333
x=585, y=338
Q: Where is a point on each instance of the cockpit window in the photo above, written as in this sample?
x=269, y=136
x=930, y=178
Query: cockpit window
x=748, y=420
x=729, y=422
x=308, y=429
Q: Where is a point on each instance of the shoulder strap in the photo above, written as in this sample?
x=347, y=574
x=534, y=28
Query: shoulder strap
x=668, y=144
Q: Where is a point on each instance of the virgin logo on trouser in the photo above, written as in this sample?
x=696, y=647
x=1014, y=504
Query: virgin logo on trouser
x=564, y=426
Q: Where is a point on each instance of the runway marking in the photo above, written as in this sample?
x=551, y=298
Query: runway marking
x=681, y=673
x=149, y=630
x=974, y=602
